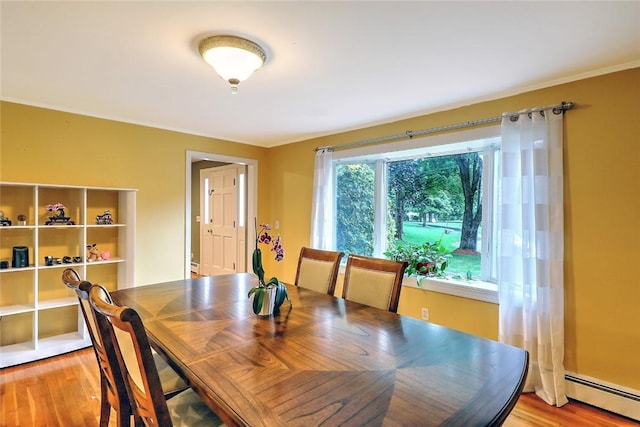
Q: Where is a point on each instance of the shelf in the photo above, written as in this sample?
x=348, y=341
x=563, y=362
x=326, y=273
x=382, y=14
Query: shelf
x=59, y=320
x=9, y=310
x=24, y=352
x=64, y=343
x=15, y=353
x=55, y=303
x=15, y=270
x=111, y=260
x=39, y=316
x=62, y=266
x=16, y=329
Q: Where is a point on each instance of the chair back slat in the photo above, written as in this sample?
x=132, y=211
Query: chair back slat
x=113, y=389
x=129, y=340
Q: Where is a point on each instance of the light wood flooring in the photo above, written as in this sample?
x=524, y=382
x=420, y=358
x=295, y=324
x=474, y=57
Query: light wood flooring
x=65, y=391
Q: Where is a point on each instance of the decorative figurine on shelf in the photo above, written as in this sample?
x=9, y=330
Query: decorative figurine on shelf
x=22, y=219
x=93, y=253
x=105, y=218
x=4, y=222
x=60, y=218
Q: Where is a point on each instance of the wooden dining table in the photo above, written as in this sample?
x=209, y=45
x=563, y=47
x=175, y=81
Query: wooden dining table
x=324, y=360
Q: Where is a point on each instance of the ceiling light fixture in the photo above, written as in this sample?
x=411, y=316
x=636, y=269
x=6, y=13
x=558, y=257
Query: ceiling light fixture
x=233, y=58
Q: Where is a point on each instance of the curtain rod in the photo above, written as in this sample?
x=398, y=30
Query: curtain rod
x=558, y=108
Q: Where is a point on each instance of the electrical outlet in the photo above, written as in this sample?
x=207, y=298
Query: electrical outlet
x=425, y=313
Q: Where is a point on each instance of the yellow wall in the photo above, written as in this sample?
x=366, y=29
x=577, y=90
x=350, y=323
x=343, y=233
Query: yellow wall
x=471, y=316
x=602, y=209
x=45, y=146
x=602, y=213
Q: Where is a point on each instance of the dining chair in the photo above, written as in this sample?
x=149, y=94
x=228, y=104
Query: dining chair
x=318, y=269
x=375, y=282
x=128, y=340
x=113, y=392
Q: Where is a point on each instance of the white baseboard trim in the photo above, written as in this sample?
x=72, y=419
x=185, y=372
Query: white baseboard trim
x=611, y=397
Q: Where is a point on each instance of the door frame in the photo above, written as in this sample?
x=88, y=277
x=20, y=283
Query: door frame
x=252, y=197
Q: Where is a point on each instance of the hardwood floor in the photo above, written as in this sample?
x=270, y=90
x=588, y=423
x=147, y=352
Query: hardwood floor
x=65, y=391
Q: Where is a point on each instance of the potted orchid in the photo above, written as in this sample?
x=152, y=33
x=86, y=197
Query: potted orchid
x=272, y=292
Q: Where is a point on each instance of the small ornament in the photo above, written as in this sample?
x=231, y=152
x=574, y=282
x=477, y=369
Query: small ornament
x=105, y=218
x=4, y=222
x=93, y=253
x=60, y=218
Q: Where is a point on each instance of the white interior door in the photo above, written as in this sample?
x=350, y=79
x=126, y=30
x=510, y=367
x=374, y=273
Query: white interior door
x=222, y=221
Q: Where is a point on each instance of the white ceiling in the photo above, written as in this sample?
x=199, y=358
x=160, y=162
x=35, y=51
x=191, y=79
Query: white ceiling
x=331, y=66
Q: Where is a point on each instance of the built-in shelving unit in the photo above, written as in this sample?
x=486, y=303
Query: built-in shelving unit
x=39, y=316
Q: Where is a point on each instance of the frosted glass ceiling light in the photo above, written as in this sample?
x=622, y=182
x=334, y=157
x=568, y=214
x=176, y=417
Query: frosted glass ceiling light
x=233, y=58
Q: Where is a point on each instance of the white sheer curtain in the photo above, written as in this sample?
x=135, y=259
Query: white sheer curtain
x=531, y=248
x=322, y=202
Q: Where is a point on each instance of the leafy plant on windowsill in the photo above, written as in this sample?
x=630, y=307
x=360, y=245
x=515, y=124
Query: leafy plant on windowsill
x=261, y=292
x=425, y=260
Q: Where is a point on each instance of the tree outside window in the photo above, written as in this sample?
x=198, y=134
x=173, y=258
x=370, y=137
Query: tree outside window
x=427, y=199
x=355, y=208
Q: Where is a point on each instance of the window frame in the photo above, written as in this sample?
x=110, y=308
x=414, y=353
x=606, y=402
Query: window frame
x=483, y=139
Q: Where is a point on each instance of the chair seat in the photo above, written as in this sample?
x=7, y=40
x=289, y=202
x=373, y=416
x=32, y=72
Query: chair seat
x=171, y=382
x=188, y=410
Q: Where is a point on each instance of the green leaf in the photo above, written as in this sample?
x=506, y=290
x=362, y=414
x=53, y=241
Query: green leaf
x=258, y=299
x=281, y=294
x=257, y=265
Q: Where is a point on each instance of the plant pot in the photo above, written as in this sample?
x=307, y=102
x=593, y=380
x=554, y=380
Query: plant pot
x=267, y=303
x=426, y=268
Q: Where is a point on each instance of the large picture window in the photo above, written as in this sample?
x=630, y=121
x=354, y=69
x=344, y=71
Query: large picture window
x=440, y=192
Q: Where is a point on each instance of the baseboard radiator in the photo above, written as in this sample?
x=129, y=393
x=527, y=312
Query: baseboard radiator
x=195, y=268
x=611, y=397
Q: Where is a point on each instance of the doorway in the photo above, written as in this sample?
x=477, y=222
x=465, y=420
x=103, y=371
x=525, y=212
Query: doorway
x=223, y=220
x=192, y=211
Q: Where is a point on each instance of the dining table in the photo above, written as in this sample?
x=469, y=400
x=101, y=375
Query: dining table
x=323, y=360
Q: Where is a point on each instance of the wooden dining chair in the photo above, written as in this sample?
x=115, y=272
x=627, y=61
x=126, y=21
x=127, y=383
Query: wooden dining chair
x=128, y=339
x=375, y=282
x=113, y=392
x=318, y=269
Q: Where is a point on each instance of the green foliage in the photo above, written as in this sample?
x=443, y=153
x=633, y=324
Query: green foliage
x=430, y=259
x=459, y=264
x=444, y=187
x=258, y=269
x=355, y=208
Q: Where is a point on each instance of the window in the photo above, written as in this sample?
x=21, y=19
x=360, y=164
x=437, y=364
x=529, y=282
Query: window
x=355, y=208
x=423, y=190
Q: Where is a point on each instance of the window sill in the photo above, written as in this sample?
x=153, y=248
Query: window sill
x=471, y=289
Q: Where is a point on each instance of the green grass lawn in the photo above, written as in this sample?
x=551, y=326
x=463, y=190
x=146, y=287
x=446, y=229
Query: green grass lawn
x=415, y=233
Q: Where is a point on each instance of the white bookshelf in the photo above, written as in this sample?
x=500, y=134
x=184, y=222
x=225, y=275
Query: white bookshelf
x=39, y=316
